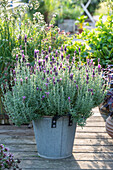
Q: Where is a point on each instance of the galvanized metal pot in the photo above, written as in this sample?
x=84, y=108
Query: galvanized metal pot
x=109, y=126
x=56, y=142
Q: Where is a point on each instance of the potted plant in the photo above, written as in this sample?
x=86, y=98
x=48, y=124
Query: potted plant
x=7, y=160
x=56, y=94
x=79, y=22
x=107, y=105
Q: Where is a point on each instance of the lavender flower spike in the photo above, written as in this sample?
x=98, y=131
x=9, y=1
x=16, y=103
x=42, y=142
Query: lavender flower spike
x=43, y=97
x=99, y=67
x=21, y=80
x=71, y=76
x=24, y=97
x=62, y=48
x=79, y=50
x=62, y=56
x=35, y=53
x=98, y=60
x=69, y=99
x=49, y=49
x=25, y=38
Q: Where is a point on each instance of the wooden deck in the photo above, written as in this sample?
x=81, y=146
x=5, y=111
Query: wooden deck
x=93, y=148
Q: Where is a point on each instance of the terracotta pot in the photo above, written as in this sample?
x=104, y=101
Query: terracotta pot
x=109, y=126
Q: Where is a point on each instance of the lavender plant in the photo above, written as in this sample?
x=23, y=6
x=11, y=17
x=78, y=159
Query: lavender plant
x=53, y=86
x=7, y=160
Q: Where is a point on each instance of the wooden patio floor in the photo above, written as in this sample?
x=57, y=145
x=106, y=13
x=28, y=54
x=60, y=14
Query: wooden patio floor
x=93, y=148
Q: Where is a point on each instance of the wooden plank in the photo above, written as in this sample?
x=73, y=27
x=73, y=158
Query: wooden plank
x=95, y=124
x=65, y=165
x=81, y=135
x=93, y=148
x=76, y=155
x=91, y=129
x=91, y=135
x=88, y=142
x=76, y=148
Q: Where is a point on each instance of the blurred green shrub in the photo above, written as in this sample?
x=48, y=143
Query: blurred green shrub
x=100, y=40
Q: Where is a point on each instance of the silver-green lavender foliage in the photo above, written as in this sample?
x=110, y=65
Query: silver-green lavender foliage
x=53, y=86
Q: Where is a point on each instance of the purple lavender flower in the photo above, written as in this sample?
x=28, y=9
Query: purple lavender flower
x=46, y=57
x=60, y=65
x=24, y=97
x=16, y=57
x=56, y=73
x=42, y=78
x=99, y=67
x=69, y=68
x=51, y=62
x=46, y=84
x=47, y=93
x=37, y=88
x=87, y=77
x=21, y=80
x=15, y=79
x=54, y=82
x=43, y=52
x=87, y=82
x=62, y=56
x=20, y=47
x=43, y=97
x=55, y=69
x=53, y=78
x=47, y=80
x=53, y=58
x=35, y=53
x=75, y=52
x=62, y=48
x=1, y=146
x=98, y=60
x=49, y=49
x=14, y=72
x=44, y=71
x=28, y=64
x=47, y=71
x=92, y=93
x=71, y=76
x=74, y=81
x=79, y=49
x=25, y=39
x=76, y=86
x=88, y=61
x=91, y=90
x=65, y=48
x=40, y=89
x=93, y=72
x=69, y=99
x=43, y=62
x=57, y=80
x=60, y=79
x=57, y=63
x=39, y=62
